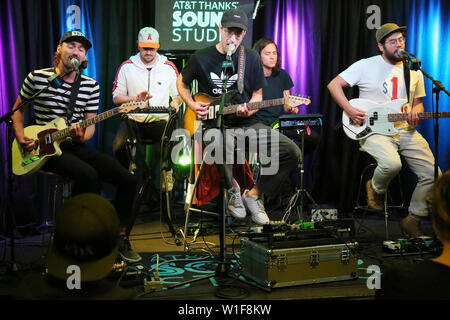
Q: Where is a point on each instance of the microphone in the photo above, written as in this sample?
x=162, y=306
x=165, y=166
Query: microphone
x=231, y=47
x=228, y=65
x=75, y=64
x=411, y=59
x=83, y=65
x=404, y=53
x=55, y=81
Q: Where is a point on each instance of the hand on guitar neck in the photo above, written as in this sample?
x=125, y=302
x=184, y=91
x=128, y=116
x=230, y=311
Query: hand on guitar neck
x=77, y=133
x=413, y=117
x=243, y=112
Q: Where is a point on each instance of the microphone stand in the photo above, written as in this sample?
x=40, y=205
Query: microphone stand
x=415, y=64
x=222, y=268
x=54, y=81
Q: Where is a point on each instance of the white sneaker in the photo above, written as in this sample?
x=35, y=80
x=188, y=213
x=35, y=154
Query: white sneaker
x=235, y=205
x=256, y=207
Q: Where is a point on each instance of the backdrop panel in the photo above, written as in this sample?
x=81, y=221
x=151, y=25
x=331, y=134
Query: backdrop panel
x=317, y=40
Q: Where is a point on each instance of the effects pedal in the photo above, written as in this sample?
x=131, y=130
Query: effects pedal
x=302, y=225
x=274, y=226
x=391, y=246
x=419, y=244
x=324, y=214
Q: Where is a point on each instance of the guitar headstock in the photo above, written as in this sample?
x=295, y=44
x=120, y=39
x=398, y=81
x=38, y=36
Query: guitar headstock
x=295, y=101
x=132, y=106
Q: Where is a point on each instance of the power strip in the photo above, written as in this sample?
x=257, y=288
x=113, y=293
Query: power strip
x=153, y=285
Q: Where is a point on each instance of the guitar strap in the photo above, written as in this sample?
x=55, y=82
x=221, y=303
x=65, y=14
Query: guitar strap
x=73, y=98
x=241, y=69
x=406, y=74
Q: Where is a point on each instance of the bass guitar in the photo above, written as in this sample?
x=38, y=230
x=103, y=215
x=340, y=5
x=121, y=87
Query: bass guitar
x=380, y=118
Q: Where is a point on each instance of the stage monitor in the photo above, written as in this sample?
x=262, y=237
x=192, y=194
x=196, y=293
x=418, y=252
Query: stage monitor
x=192, y=25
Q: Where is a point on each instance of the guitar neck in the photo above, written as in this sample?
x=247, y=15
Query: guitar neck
x=254, y=105
x=64, y=133
x=392, y=117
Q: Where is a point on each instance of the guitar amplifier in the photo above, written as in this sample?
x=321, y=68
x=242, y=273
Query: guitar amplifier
x=298, y=265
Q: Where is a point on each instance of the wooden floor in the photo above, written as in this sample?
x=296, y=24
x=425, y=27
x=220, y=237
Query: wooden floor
x=152, y=239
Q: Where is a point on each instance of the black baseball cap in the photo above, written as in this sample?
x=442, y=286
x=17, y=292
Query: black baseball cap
x=76, y=36
x=234, y=18
x=87, y=235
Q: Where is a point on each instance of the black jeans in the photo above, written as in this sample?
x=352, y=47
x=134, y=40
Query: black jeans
x=88, y=168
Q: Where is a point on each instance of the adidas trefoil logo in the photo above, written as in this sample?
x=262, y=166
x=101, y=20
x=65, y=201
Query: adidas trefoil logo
x=218, y=81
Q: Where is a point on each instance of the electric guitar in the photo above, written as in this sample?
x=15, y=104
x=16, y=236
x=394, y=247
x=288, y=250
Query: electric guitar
x=380, y=118
x=191, y=122
x=47, y=138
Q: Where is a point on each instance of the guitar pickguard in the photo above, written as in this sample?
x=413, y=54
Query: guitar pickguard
x=46, y=145
x=376, y=121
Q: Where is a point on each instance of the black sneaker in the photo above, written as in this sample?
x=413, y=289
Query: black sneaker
x=126, y=252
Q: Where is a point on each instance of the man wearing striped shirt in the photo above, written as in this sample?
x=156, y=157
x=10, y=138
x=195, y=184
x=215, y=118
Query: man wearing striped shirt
x=87, y=167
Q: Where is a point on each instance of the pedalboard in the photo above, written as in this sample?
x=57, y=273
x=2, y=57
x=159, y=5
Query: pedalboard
x=419, y=244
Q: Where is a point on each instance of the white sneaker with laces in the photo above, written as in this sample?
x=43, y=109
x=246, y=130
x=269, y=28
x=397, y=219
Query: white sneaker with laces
x=235, y=205
x=256, y=207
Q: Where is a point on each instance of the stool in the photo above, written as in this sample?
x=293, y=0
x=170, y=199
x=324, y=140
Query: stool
x=146, y=180
x=221, y=202
x=388, y=202
x=143, y=169
x=59, y=192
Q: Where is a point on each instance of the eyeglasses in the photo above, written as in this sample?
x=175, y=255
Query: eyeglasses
x=393, y=42
x=237, y=32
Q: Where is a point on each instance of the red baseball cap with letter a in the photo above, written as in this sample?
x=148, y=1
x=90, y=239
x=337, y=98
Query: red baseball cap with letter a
x=148, y=38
